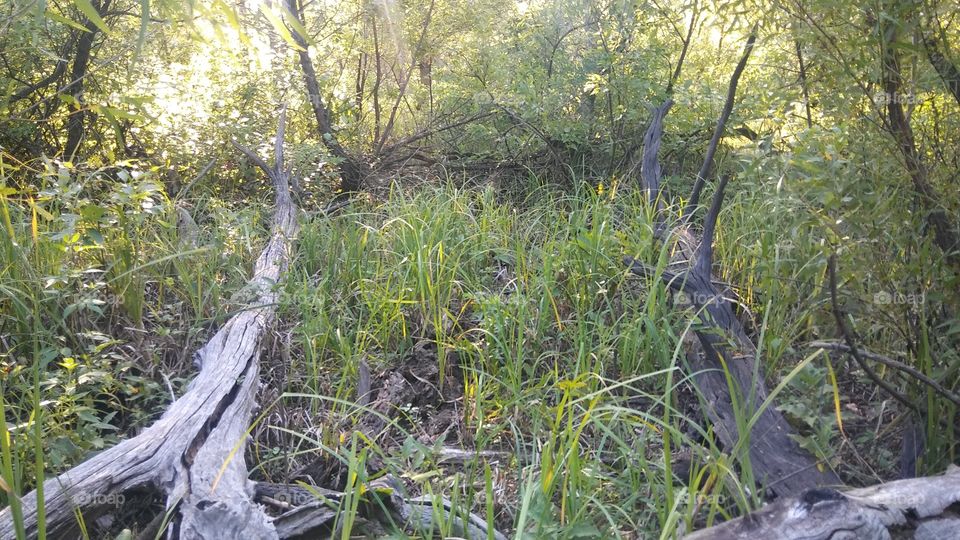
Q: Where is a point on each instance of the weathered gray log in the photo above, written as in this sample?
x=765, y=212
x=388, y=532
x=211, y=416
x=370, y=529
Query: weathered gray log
x=777, y=461
x=195, y=452
x=914, y=508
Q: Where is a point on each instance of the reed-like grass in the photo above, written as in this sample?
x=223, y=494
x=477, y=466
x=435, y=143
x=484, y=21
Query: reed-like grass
x=552, y=354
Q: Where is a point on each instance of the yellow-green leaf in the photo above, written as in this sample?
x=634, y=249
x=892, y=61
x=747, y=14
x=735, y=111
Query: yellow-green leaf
x=91, y=13
x=144, y=22
x=280, y=27
x=63, y=20
x=232, y=19
x=836, y=396
x=295, y=24
x=114, y=112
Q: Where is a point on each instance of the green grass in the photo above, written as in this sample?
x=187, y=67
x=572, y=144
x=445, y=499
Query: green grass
x=545, y=348
x=566, y=361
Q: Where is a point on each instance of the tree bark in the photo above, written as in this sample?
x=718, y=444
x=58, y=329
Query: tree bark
x=944, y=232
x=912, y=508
x=721, y=125
x=947, y=70
x=58, y=71
x=351, y=174
x=694, y=17
x=803, y=83
x=650, y=171
x=77, y=120
x=195, y=453
x=777, y=462
x=723, y=348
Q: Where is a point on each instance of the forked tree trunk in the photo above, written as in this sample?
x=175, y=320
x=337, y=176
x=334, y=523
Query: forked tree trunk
x=351, y=173
x=778, y=463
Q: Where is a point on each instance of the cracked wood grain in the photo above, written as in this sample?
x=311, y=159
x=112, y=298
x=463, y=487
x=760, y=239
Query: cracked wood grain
x=195, y=452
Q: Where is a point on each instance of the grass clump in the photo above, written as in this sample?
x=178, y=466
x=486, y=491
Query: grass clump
x=546, y=352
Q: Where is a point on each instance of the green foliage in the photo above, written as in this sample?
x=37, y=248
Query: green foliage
x=89, y=309
x=506, y=276
x=812, y=408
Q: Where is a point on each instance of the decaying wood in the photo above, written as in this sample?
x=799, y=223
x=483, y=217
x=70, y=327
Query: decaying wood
x=650, y=166
x=777, y=461
x=195, y=452
x=721, y=125
x=919, y=508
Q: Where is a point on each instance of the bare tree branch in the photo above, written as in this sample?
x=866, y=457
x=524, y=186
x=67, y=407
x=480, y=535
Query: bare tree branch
x=851, y=344
x=890, y=362
x=721, y=125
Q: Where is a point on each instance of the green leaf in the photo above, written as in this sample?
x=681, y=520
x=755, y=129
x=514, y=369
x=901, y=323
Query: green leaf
x=582, y=530
x=63, y=20
x=232, y=19
x=280, y=27
x=295, y=24
x=115, y=113
x=144, y=22
x=907, y=46
x=68, y=99
x=91, y=213
x=91, y=13
x=96, y=237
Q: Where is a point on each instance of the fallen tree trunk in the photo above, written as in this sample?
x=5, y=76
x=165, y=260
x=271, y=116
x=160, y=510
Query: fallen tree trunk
x=777, y=462
x=195, y=453
x=916, y=508
x=724, y=350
